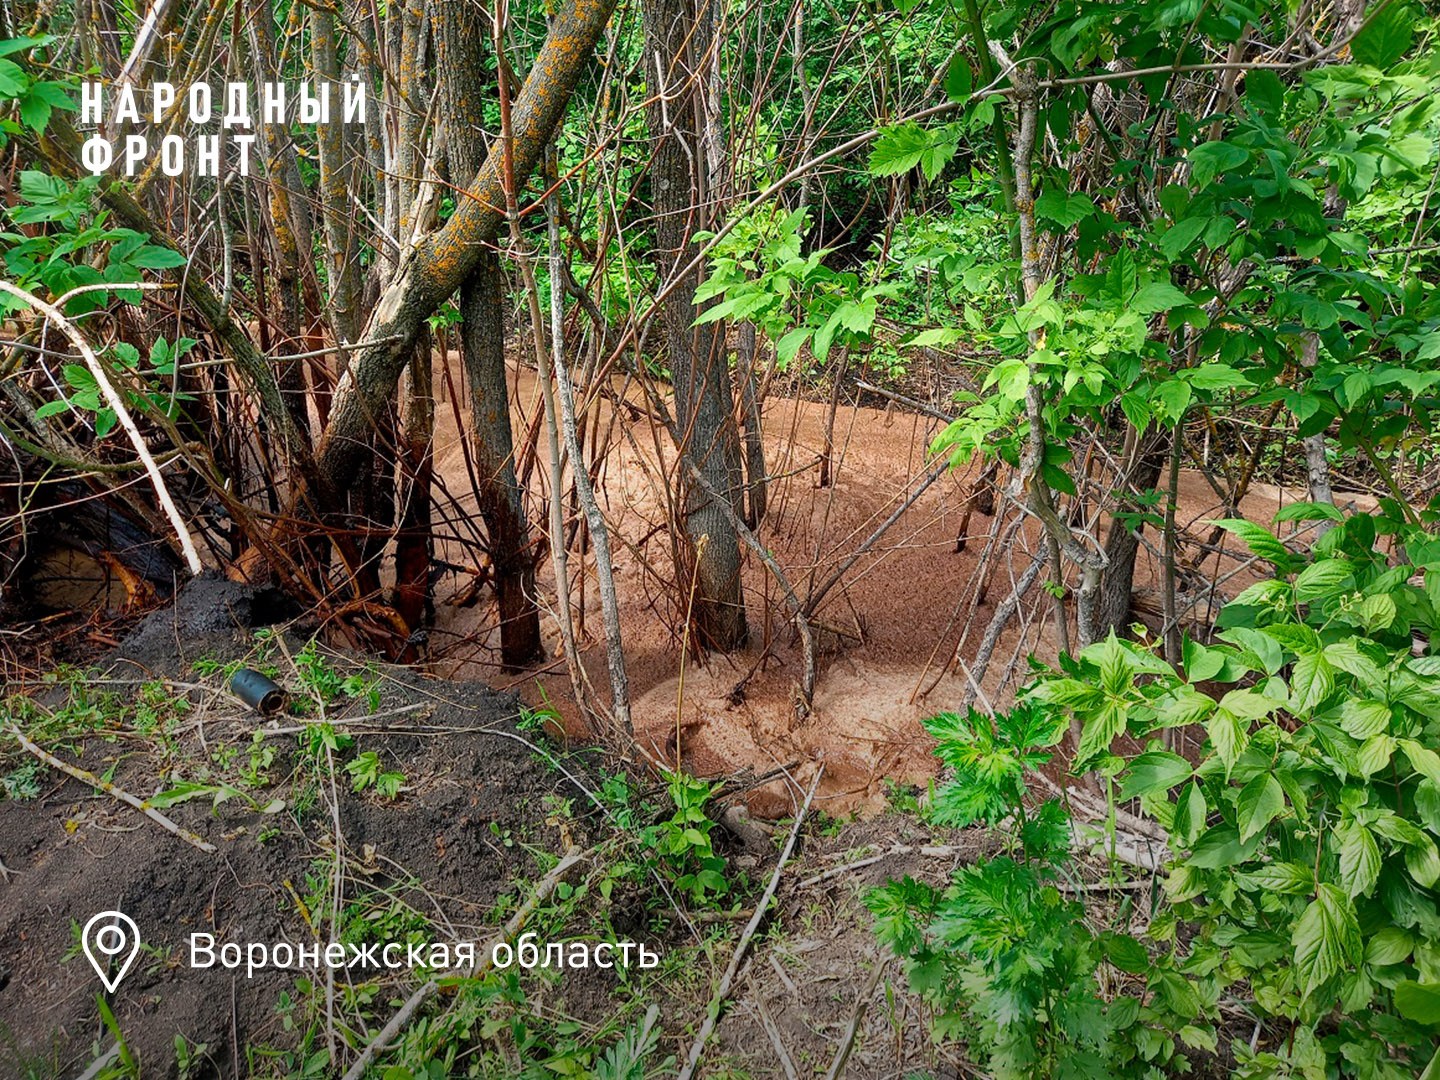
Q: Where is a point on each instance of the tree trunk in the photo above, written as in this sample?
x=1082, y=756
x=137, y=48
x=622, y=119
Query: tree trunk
x=342, y=264
x=1123, y=543
x=1317, y=464
x=678, y=38
x=414, y=544
x=750, y=406
x=460, y=49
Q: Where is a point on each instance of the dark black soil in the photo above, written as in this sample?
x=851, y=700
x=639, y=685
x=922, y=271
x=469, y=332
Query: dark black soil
x=449, y=847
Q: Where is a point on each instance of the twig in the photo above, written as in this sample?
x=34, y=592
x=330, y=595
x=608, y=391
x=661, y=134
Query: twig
x=847, y=1044
x=768, y=1023
x=483, y=961
x=784, y=978
x=116, y=402
x=712, y=1011
x=929, y=851
x=101, y=1063
x=110, y=789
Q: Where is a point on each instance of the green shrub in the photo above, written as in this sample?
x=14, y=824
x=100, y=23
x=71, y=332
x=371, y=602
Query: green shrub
x=1302, y=878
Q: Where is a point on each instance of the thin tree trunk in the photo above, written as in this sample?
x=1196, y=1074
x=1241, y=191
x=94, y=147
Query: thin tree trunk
x=1142, y=471
x=542, y=362
x=460, y=50
x=1317, y=465
x=414, y=543
x=755, y=483
x=678, y=37
x=594, y=519
x=341, y=264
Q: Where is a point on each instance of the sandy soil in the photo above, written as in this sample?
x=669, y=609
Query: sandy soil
x=886, y=635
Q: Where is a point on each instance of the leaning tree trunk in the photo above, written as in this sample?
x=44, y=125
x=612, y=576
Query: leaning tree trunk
x=460, y=43
x=678, y=39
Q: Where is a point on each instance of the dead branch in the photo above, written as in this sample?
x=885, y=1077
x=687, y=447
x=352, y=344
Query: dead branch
x=717, y=1000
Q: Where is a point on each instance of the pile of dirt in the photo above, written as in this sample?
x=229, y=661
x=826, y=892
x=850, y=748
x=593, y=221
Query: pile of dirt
x=449, y=847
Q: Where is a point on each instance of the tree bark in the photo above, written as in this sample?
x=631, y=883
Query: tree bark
x=1123, y=542
x=460, y=49
x=750, y=406
x=678, y=37
x=442, y=260
x=342, y=265
x=414, y=545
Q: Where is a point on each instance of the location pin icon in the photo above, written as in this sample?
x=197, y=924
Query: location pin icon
x=106, y=938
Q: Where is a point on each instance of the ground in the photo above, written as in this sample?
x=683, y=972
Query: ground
x=483, y=810
x=489, y=799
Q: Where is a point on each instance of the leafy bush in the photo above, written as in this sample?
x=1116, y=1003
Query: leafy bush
x=1303, y=869
x=1008, y=962
x=1305, y=839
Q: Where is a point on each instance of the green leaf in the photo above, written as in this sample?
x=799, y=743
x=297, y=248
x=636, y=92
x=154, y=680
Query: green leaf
x=1359, y=860
x=1419, y=1002
x=1099, y=732
x=13, y=79
x=1201, y=663
x=1216, y=377
x=1157, y=770
x=1363, y=717
x=1427, y=804
x=1172, y=398
x=1210, y=159
x=1260, y=541
x=1065, y=210
x=1249, y=704
x=35, y=110
x=1423, y=861
x=1391, y=945
x=898, y=149
x=1377, y=612
x=936, y=335
x=1181, y=237
x=1311, y=681
x=1309, y=511
x=154, y=257
x=1386, y=38
x=1326, y=938
x=1423, y=760
x=1261, y=801
x=1284, y=878
x=1374, y=754
x=959, y=83
x=1125, y=953
x=789, y=345
x=1264, y=649
x=1322, y=579
x=1158, y=296
x=1190, y=814
x=1219, y=849
x=24, y=44
x=1229, y=735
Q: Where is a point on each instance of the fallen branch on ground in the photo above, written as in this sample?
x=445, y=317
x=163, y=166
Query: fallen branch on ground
x=773, y=1032
x=847, y=1044
x=484, y=960
x=110, y=789
x=929, y=851
x=117, y=403
x=712, y=1011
